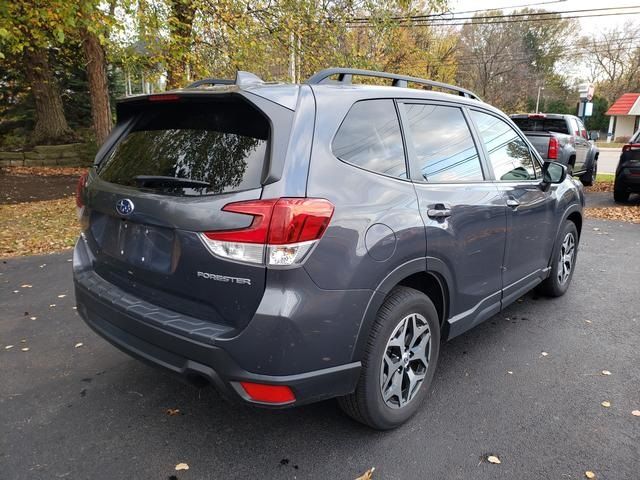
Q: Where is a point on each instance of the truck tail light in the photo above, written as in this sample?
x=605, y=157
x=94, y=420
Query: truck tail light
x=282, y=232
x=552, y=153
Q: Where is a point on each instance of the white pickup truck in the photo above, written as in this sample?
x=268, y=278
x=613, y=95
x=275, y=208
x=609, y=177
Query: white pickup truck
x=563, y=139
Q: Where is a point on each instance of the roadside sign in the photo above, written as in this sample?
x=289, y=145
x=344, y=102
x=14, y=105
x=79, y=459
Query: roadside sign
x=586, y=90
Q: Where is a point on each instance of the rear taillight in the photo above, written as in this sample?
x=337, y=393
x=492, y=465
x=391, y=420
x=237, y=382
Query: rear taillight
x=82, y=183
x=631, y=147
x=282, y=232
x=81, y=211
x=552, y=153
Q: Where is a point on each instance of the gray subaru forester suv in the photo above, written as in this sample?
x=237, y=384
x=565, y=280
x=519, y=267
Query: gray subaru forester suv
x=293, y=243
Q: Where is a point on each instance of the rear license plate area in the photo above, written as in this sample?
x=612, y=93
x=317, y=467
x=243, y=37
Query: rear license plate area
x=138, y=245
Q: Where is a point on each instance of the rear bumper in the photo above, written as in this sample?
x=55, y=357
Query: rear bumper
x=628, y=178
x=188, y=348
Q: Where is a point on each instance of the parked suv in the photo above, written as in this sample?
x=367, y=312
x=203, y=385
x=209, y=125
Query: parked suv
x=628, y=170
x=293, y=243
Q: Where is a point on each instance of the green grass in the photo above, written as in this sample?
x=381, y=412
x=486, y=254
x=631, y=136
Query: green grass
x=609, y=145
x=605, y=177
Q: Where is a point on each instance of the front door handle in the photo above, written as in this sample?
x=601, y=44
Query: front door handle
x=513, y=203
x=439, y=210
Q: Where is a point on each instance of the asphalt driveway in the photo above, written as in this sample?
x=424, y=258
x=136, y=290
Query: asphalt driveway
x=90, y=412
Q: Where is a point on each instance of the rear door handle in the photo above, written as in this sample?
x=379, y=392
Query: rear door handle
x=513, y=203
x=439, y=210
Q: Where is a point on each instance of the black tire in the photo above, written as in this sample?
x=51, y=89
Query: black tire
x=553, y=286
x=620, y=193
x=366, y=404
x=589, y=178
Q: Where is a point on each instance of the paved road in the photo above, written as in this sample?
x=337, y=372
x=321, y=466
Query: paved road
x=93, y=413
x=608, y=160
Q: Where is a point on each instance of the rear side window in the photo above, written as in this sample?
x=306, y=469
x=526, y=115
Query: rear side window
x=443, y=145
x=557, y=125
x=370, y=138
x=213, y=147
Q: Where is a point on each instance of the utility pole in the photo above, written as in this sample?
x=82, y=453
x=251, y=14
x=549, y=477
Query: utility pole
x=540, y=88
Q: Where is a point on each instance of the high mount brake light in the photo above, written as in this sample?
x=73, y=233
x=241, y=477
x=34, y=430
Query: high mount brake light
x=282, y=232
x=164, y=97
x=552, y=153
x=537, y=115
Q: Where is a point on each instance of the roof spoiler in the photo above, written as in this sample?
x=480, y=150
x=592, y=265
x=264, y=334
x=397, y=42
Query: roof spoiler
x=242, y=78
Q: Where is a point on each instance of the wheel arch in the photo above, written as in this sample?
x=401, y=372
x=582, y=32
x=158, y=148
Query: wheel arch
x=413, y=274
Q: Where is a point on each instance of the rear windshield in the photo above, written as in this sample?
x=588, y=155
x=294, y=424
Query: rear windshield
x=557, y=125
x=214, y=147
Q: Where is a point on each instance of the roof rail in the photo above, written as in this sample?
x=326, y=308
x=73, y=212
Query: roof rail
x=242, y=78
x=345, y=76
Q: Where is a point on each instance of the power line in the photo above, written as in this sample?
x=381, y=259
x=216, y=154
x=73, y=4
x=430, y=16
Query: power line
x=450, y=23
x=436, y=18
x=501, y=8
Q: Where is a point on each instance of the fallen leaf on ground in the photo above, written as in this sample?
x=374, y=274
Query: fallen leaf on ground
x=589, y=474
x=61, y=296
x=628, y=213
x=26, y=285
x=493, y=459
x=172, y=411
x=79, y=344
x=32, y=318
x=636, y=413
x=25, y=349
x=368, y=475
x=544, y=354
x=510, y=372
x=52, y=305
x=38, y=227
x=182, y=466
x=8, y=347
x=606, y=372
x=588, y=321
x=606, y=404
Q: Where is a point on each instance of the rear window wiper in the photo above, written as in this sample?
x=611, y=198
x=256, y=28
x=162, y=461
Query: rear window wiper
x=162, y=181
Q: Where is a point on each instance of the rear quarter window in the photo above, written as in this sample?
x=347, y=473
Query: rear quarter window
x=370, y=138
x=221, y=144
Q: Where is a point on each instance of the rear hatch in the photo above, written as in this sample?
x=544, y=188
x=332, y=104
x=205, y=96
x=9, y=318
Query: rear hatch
x=176, y=162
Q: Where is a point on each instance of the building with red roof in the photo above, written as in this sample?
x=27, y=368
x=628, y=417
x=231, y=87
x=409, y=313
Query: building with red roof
x=625, y=116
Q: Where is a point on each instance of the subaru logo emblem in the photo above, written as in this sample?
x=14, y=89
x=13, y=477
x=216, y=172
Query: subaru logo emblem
x=124, y=207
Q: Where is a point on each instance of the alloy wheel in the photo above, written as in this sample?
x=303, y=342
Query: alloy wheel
x=405, y=361
x=566, y=260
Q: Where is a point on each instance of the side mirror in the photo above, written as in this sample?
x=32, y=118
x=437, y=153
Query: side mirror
x=552, y=172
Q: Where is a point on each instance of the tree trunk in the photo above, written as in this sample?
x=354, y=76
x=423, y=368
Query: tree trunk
x=180, y=28
x=98, y=85
x=51, y=124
